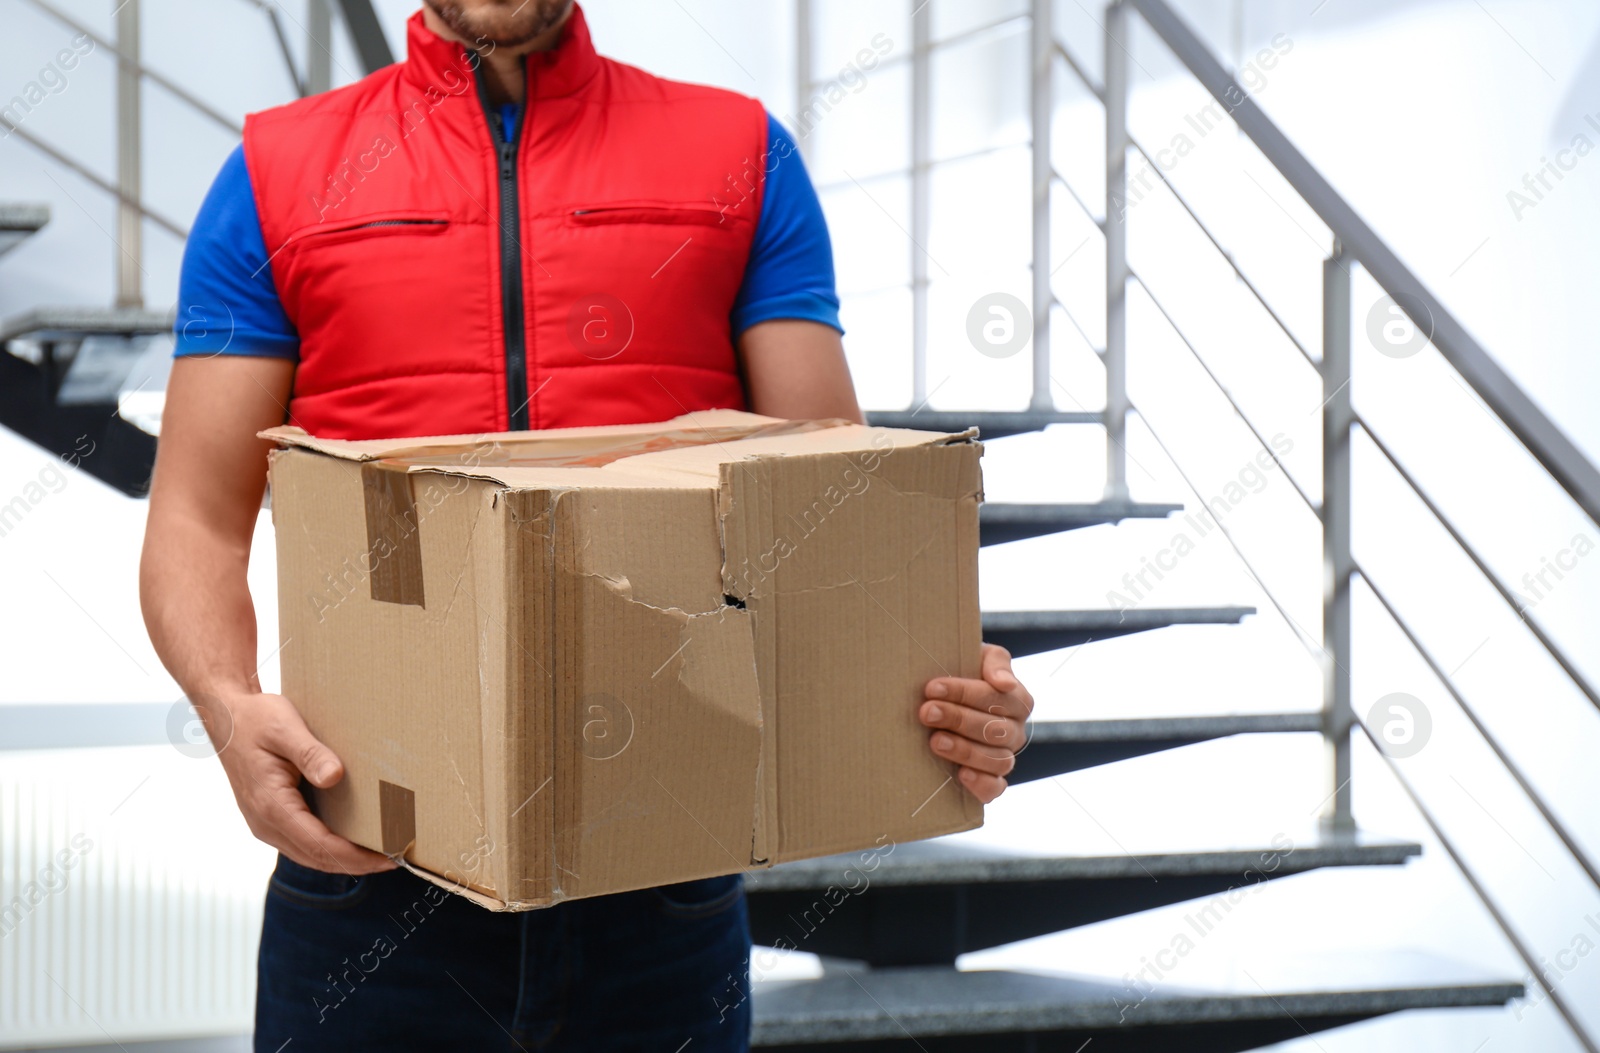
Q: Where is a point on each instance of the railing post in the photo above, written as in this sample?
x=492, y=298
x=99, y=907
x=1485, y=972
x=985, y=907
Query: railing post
x=319, y=46
x=1116, y=231
x=921, y=157
x=804, y=60
x=130, y=242
x=1337, y=714
x=1042, y=40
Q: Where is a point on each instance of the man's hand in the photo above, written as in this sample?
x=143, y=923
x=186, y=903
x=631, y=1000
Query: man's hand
x=265, y=747
x=980, y=723
x=204, y=501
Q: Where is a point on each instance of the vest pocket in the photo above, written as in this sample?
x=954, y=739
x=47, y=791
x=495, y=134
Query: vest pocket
x=371, y=226
x=706, y=215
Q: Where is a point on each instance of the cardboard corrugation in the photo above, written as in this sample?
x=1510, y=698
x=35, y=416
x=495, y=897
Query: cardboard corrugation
x=578, y=662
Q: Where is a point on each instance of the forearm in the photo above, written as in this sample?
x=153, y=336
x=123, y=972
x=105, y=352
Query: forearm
x=197, y=606
x=797, y=370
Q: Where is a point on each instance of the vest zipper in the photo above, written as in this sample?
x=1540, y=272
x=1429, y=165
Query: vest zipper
x=516, y=339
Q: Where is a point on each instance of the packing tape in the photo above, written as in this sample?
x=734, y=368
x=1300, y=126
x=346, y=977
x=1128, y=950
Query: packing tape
x=397, y=818
x=394, y=547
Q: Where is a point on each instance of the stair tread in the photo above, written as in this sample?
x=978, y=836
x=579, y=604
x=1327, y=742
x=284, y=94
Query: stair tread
x=23, y=215
x=1253, y=667
x=1203, y=726
x=952, y=861
x=990, y=423
x=1111, y=618
x=74, y=321
x=939, y=1000
x=1016, y=511
x=1004, y=521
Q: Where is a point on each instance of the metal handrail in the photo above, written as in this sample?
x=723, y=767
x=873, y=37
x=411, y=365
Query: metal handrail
x=1545, y=811
x=1535, y=966
x=93, y=177
x=1238, y=410
x=1525, y=420
x=146, y=72
x=1238, y=271
x=1539, y=632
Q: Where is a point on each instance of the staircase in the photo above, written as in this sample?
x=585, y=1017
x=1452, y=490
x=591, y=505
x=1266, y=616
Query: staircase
x=1139, y=688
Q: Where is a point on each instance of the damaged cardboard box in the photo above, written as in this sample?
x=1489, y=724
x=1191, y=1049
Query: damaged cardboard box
x=566, y=663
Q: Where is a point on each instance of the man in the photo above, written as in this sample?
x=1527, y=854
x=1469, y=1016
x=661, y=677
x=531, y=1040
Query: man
x=504, y=231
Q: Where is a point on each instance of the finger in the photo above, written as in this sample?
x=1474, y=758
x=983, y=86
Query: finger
x=996, y=668
x=970, y=754
x=290, y=739
x=969, y=723
x=305, y=839
x=981, y=696
x=981, y=785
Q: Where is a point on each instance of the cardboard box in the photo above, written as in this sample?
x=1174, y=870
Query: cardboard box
x=566, y=663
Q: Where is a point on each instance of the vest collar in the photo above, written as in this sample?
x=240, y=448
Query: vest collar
x=564, y=70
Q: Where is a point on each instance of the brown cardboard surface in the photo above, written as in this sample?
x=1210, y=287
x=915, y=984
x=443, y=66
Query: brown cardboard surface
x=561, y=664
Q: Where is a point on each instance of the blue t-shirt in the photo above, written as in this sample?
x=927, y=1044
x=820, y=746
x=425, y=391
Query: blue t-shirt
x=227, y=302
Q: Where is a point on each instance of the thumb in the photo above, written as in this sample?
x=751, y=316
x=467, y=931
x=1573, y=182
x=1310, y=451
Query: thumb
x=305, y=751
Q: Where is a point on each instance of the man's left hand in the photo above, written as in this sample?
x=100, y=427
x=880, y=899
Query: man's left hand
x=980, y=723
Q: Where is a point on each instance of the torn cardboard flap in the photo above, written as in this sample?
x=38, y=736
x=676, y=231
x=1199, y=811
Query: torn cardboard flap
x=562, y=664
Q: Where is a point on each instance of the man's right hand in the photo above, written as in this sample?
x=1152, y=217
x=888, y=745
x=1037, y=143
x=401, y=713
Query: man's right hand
x=265, y=748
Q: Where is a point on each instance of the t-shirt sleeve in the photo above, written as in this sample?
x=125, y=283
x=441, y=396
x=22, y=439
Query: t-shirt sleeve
x=790, y=270
x=227, y=302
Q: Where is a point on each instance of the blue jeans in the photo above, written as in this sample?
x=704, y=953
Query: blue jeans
x=390, y=962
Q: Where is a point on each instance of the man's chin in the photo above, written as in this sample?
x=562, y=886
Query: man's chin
x=504, y=25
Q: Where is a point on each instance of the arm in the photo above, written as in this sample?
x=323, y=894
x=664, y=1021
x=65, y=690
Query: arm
x=209, y=477
x=797, y=369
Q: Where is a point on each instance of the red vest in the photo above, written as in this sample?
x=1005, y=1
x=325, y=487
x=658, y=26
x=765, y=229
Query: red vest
x=443, y=281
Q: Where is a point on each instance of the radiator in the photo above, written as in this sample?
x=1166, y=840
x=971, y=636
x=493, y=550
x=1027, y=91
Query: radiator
x=130, y=898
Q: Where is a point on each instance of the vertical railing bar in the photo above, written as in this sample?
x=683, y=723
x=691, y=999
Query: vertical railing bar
x=921, y=155
x=1116, y=232
x=319, y=46
x=1042, y=101
x=1337, y=565
x=803, y=61
x=130, y=230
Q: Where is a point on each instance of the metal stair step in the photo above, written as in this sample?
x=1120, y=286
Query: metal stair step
x=927, y=902
x=18, y=221
x=941, y=1010
x=1031, y=632
x=1056, y=747
x=999, y=522
x=991, y=424
x=75, y=323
